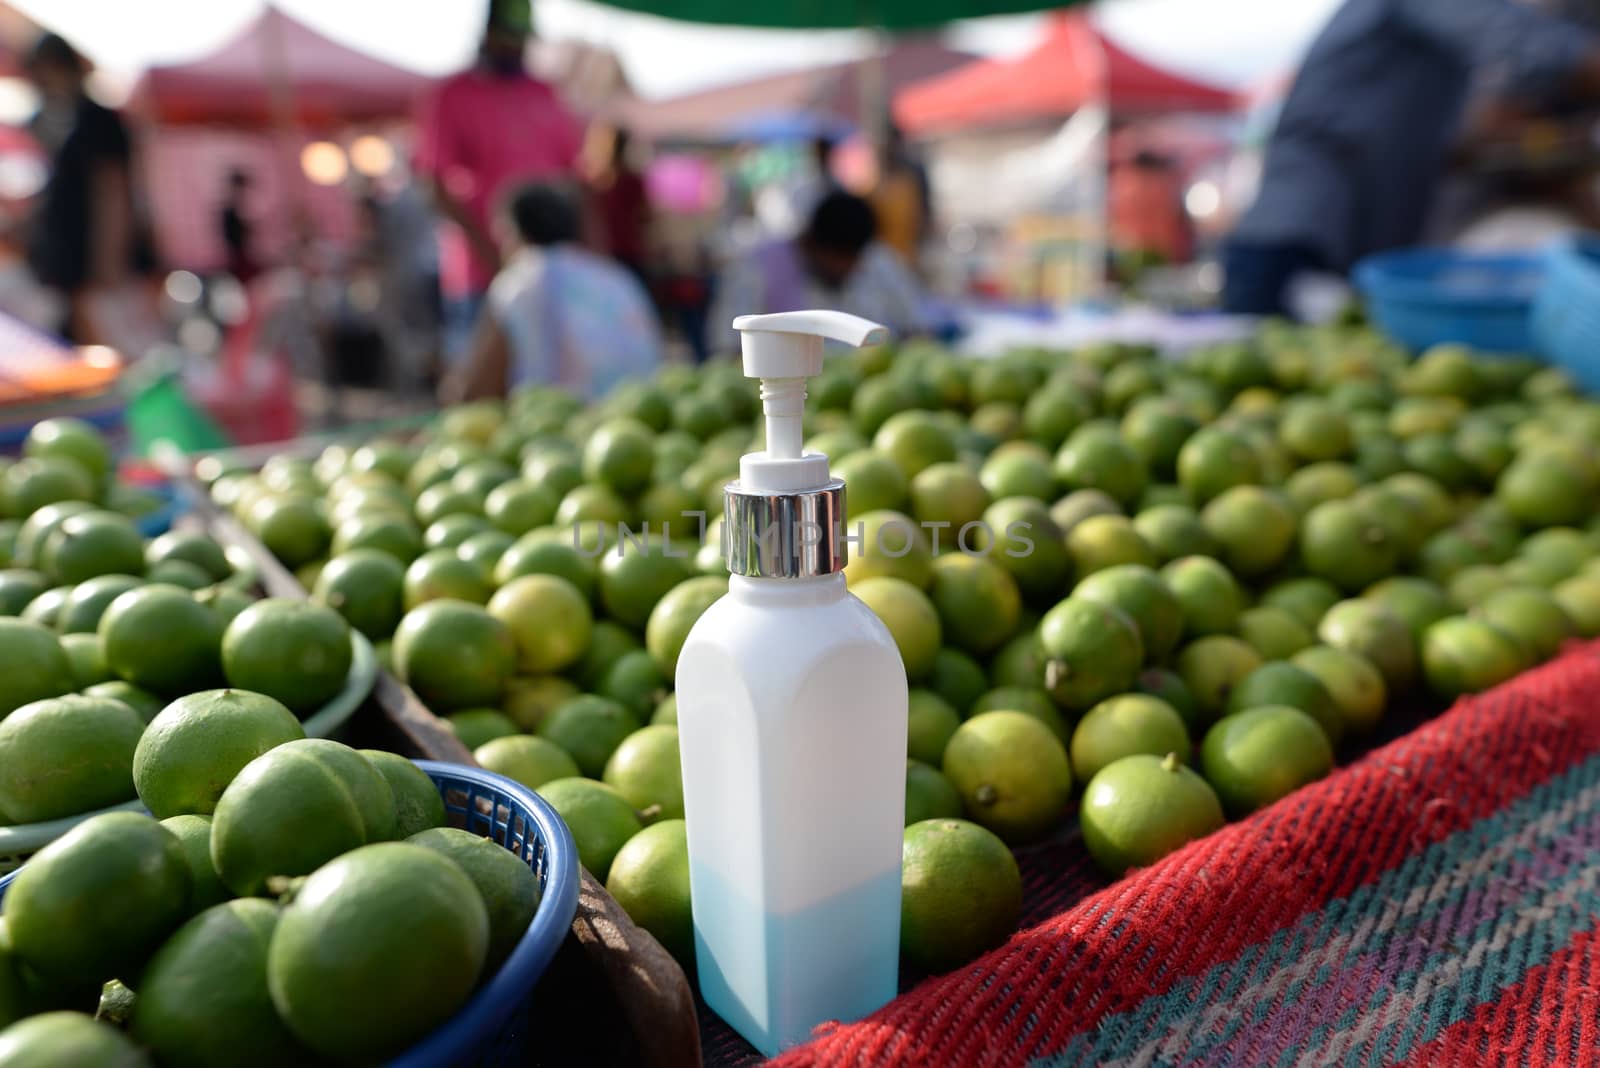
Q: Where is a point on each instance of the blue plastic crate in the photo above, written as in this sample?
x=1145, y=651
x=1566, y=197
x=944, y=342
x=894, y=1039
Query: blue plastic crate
x=1425, y=297
x=1566, y=314
x=491, y=1028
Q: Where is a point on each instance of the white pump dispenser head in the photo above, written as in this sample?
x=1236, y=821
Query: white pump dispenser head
x=783, y=350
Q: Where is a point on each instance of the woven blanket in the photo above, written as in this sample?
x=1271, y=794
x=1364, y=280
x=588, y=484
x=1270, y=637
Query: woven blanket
x=1437, y=902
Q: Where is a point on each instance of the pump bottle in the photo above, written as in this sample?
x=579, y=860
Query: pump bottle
x=792, y=729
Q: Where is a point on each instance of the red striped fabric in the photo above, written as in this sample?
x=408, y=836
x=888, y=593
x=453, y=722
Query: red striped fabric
x=1205, y=904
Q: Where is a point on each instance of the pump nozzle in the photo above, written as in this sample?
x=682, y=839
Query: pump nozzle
x=785, y=349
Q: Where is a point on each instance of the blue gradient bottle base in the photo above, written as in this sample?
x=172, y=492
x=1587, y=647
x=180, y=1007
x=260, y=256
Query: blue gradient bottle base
x=846, y=948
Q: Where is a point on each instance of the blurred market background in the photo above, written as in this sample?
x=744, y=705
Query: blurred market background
x=276, y=217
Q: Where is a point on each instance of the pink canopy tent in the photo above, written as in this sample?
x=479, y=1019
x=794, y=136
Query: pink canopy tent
x=277, y=70
x=1074, y=65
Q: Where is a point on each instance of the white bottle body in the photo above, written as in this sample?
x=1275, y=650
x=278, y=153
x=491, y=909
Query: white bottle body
x=792, y=726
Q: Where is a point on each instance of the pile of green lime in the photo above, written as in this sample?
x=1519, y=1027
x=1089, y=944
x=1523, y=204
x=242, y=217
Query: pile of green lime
x=298, y=902
x=1160, y=593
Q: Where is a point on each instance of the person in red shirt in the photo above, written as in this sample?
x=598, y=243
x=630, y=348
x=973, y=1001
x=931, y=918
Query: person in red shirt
x=621, y=202
x=481, y=134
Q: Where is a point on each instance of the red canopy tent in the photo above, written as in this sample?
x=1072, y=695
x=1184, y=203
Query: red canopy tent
x=277, y=69
x=1074, y=65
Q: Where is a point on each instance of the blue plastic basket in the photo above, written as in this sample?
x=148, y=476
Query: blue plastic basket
x=1425, y=297
x=491, y=1028
x=1566, y=314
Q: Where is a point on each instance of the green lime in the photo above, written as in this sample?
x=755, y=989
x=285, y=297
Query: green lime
x=666, y=713
x=1211, y=667
x=365, y=586
x=92, y=543
x=46, y=608
x=1018, y=534
x=1145, y=598
x=645, y=770
x=393, y=916
x=948, y=493
x=1095, y=651
x=914, y=441
x=504, y=883
x=203, y=999
x=1418, y=602
x=1016, y=472
x=88, y=667
x=929, y=795
x=1373, y=631
x=295, y=651
x=192, y=548
x=548, y=552
x=649, y=878
x=1213, y=460
x=193, y=749
x=1157, y=427
x=1544, y=490
x=193, y=833
x=960, y=893
x=1253, y=758
x=589, y=728
x=417, y=804
x=591, y=504
x=452, y=531
x=1022, y=661
x=1579, y=598
x=1283, y=683
x=74, y=440
x=957, y=678
x=1209, y=594
x=454, y=654
x=1096, y=457
x=18, y=586
x=676, y=614
x=911, y=618
x=1462, y=655
x=484, y=549
x=1274, y=633
x=635, y=682
x=1532, y=618
x=1469, y=586
x=1138, y=809
x=67, y=1038
x=1356, y=686
x=608, y=642
x=87, y=745
x=1314, y=430
x=476, y=726
x=44, y=480
x=1103, y=541
x=930, y=723
x=1345, y=544
x=1170, y=687
x=1027, y=700
x=294, y=808
x=37, y=528
x=519, y=506
x=1051, y=415
x=444, y=500
x=1173, y=531
x=548, y=618
x=887, y=544
x=144, y=703
x=1254, y=527
x=873, y=483
x=33, y=665
x=1123, y=725
x=441, y=574
x=977, y=601
x=1079, y=505
x=395, y=535
x=526, y=759
x=293, y=528
x=620, y=454
x=192, y=577
x=634, y=578
x=94, y=903
x=161, y=638
x=1012, y=773
x=600, y=819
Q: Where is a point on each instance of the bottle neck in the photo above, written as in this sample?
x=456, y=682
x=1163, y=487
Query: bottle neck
x=823, y=589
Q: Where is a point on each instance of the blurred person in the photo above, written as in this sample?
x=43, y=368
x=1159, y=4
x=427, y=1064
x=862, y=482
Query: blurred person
x=233, y=223
x=1362, y=139
x=902, y=198
x=84, y=238
x=557, y=313
x=783, y=207
x=481, y=133
x=1148, y=223
x=835, y=262
x=621, y=201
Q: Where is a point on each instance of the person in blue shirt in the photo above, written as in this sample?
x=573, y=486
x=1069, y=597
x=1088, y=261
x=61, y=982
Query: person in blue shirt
x=1364, y=134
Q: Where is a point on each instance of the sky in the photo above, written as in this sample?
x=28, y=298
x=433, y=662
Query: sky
x=1232, y=42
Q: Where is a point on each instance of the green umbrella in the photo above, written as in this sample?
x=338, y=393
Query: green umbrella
x=833, y=14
